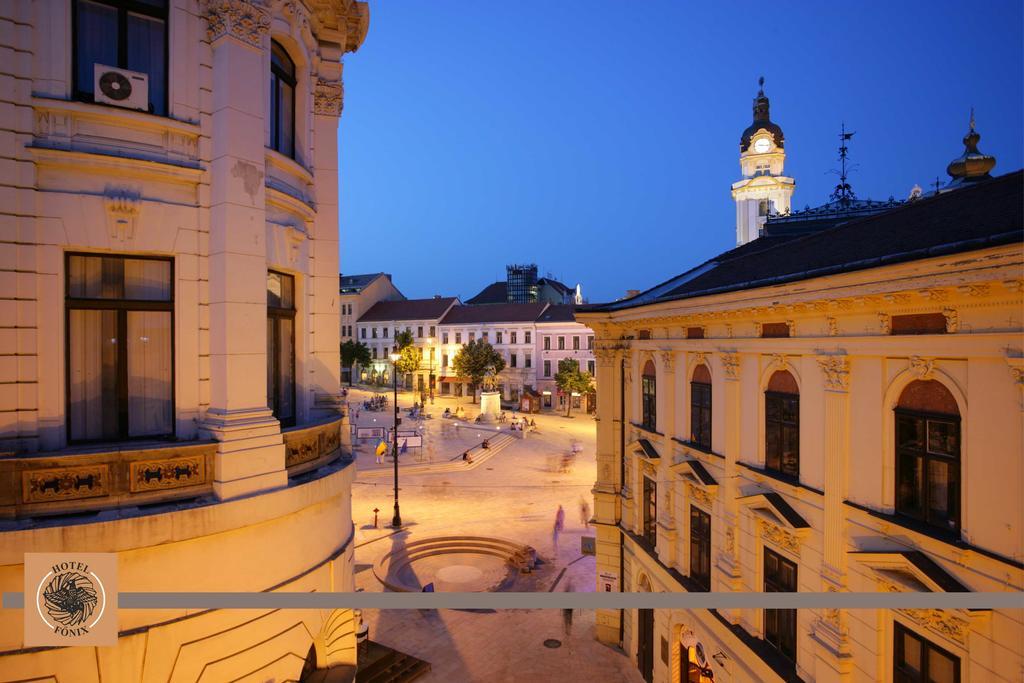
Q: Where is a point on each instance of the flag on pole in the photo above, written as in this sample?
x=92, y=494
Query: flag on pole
x=405, y=446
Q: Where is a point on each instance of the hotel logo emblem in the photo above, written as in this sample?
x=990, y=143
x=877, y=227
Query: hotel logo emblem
x=70, y=599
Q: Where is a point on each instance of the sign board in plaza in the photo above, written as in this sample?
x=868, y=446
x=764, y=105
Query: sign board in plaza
x=413, y=440
x=588, y=545
x=369, y=432
x=608, y=582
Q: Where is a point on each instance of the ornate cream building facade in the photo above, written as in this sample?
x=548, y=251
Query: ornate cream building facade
x=836, y=412
x=170, y=327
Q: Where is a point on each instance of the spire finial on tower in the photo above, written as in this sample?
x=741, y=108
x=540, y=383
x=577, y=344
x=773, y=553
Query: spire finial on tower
x=760, y=85
x=972, y=165
x=972, y=118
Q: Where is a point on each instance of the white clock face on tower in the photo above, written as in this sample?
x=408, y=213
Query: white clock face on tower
x=762, y=145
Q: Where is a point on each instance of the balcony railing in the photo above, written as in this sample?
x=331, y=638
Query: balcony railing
x=70, y=482
x=122, y=475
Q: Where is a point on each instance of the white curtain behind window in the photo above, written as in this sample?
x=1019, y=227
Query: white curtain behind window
x=93, y=374
x=149, y=373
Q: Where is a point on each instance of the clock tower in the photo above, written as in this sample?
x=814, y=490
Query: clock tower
x=764, y=190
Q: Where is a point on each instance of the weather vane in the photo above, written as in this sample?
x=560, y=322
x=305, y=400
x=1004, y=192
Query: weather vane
x=843, y=192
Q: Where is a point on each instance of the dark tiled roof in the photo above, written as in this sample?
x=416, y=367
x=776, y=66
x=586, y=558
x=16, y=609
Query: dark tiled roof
x=410, y=309
x=350, y=284
x=494, y=293
x=493, y=313
x=558, y=313
x=985, y=215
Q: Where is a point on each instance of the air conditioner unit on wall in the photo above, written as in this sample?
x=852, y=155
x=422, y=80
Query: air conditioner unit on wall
x=120, y=87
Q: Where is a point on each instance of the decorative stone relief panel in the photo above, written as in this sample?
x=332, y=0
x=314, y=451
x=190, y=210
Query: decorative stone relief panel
x=328, y=97
x=837, y=372
x=41, y=486
x=778, y=536
x=942, y=622
x=155, y=475
x=248, y=21
x=699, y=495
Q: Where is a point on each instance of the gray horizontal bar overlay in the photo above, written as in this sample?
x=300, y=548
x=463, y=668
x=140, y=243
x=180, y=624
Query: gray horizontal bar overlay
x=366, y=600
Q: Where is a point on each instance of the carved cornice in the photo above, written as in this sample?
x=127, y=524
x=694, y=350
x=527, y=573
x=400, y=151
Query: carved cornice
x=922, y=368
x=245, y=20
x=936, y=295
x=837, y=372
x=328, y=97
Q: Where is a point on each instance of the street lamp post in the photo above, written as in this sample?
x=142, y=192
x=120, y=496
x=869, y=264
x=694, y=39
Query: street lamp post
x=430, y=377
x=396, y=521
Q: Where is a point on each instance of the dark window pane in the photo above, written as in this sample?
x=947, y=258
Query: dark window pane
x=940, y=493
x=909, y=477
x=910, y=432
x=147, y=280
x=96, y=41
x=146, y=54
x=941, y=667
x=274, y=287
x=286, y=112
x=943, y=437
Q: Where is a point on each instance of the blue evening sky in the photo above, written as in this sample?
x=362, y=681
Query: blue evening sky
x=599, y=138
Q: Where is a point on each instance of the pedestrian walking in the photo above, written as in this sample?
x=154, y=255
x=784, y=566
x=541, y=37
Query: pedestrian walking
x=567, y=612
x=584, y=513
x=559, y=525
x=382, y=448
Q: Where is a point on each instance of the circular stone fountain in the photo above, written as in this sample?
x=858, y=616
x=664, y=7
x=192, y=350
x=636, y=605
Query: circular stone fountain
x=463, y=564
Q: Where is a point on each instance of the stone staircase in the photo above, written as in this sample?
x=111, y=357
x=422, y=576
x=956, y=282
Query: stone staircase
x=478, y=453
x=381, y=664
x=387, y=567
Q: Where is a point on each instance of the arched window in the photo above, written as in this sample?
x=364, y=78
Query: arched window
x=928, y=455
x=649, y=394
x=700, y=407
x=282, y=100
x=782, y=425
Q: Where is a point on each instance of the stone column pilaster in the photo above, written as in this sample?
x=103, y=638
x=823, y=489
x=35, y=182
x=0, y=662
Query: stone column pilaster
x=607, y=501
x=666, y=387
x=729, y=557
x=833, y=649
x=250, y=456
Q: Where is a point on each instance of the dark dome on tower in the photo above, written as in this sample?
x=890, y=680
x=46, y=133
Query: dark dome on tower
x=972, y=166
x=761, y=121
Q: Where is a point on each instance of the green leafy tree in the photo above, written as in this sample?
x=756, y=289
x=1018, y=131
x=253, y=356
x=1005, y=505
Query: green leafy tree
x=570, y=378
x=354, y=353
x=408, y=361
x=403, y=339
x=477, y=361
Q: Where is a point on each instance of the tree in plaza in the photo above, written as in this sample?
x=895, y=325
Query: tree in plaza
x=477, y=360
x=354, y=353
x=403, y=339
x=408, y=361
x=570, y=378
